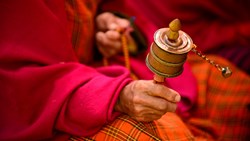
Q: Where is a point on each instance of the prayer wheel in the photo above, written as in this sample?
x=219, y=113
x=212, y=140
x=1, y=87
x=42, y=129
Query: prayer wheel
x=169, y=51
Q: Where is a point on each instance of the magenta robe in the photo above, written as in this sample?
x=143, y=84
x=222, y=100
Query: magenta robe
x=44, y=91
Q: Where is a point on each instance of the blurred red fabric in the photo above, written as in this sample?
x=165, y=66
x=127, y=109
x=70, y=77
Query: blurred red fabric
x=216, y=26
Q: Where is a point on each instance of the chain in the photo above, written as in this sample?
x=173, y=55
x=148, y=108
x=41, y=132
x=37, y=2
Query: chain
x=205, y=58
x=226, y=71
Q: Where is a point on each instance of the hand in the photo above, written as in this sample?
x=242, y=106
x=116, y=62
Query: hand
x=146, y=101
x=108, y=37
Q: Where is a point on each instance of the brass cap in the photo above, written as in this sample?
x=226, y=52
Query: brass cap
x=173, y=33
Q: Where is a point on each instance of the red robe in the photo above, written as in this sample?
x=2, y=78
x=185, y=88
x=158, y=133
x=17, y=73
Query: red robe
x=44, y=91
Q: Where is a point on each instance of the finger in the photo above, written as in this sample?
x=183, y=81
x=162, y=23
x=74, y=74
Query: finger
x=140, y=110
x=104, y=19
x=150, y=101
x=147, y=118
x=118, y=23
x=111, y=25
x=104, y=41
x=164, y=92
x=157, y=90
x=157, y=103
x=113, y=35
x=122, y=23
x=108, y=21
x=106, y=53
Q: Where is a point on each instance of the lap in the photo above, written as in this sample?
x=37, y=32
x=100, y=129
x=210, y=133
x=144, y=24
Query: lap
x=169, y=127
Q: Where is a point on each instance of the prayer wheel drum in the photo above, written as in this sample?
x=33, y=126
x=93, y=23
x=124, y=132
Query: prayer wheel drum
x=168, y=52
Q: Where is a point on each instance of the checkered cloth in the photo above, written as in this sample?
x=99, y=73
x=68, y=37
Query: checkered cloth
x=222, y=110
x=169, y=127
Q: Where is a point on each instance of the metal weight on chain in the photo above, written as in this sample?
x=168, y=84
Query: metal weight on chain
x=169, y=52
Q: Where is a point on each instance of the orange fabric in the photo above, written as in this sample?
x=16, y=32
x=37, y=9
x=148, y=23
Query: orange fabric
x=169, y=127
x=222, y=109
x=81, y=14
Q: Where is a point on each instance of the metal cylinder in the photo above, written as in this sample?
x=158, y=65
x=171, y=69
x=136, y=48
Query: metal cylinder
x=166, y=57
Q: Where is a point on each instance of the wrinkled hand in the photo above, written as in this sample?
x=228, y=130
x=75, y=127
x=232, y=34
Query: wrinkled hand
x=108, y=37
x=146, y=101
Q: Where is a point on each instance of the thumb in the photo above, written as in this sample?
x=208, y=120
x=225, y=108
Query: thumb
x=164, y=92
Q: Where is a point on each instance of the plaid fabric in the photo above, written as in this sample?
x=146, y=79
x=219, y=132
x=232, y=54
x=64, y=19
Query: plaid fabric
x=169, y=127
x=222, y=111
x=81, y=14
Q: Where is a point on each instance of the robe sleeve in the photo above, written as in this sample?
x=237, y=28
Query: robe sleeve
x=44, y=90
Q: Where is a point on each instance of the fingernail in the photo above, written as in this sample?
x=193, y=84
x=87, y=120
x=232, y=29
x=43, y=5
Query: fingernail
x=177, y=98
